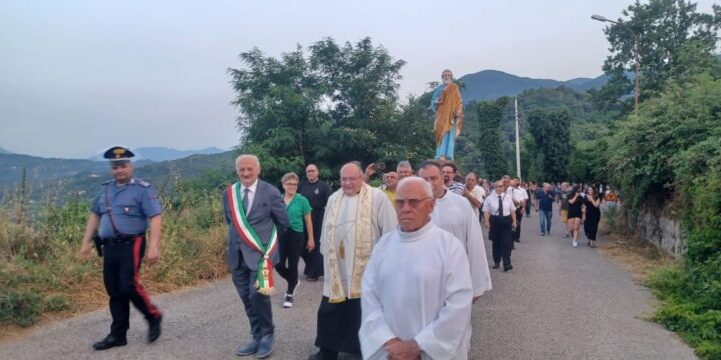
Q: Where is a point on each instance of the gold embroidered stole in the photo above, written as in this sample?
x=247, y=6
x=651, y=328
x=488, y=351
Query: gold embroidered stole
x=363, y=246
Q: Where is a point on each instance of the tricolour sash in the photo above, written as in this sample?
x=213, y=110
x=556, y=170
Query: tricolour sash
x=264, y=283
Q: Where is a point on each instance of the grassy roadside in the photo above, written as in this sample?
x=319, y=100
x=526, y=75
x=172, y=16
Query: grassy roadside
x=666, y=277
x=42, y=279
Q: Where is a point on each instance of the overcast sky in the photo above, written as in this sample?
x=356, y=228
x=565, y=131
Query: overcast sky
x=77, y=77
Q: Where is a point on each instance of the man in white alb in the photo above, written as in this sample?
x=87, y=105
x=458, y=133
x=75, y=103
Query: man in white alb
x=453, y=213
x=417, y=288
x=355, y=217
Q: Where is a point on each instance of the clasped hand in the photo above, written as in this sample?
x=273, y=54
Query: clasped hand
x=402, y=350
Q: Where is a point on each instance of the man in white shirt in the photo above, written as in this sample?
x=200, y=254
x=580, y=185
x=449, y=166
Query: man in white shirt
x=500, y=219
x=417, y=288
x=453, y=213
x=520, y=197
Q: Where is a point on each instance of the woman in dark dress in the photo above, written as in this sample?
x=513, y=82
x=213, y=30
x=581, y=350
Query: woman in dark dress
x=592, y=215
x=575, y=213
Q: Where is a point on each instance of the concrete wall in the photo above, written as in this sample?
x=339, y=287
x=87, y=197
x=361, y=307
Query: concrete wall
x=658, y=228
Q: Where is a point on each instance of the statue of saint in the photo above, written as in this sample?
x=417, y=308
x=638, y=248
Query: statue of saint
x=447, y=105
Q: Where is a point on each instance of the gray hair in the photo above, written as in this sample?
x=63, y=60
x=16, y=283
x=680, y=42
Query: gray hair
x=427, y=189
x=354, y=164
x=240, y=157
x=404, y=164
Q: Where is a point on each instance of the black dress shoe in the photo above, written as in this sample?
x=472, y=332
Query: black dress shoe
x=506, y=269
x=154, y=328
x=496, y=266
x=109, y=342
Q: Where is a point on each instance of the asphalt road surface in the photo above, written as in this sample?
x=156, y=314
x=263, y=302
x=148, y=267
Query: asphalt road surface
x=559, y=302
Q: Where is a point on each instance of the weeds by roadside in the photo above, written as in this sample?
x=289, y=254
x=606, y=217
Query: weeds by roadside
x=679, y=310
x=40, y=273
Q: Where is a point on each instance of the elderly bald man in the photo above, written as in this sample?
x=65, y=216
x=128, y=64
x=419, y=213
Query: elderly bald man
x=410, y=312
x=356, y=216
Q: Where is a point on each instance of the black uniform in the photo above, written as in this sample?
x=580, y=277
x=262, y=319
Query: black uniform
x=317, y=194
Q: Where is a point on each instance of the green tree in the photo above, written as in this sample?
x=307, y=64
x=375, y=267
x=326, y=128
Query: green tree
x=671, y=150
x=279, y=101
x=665, y=31
x=551, y=133
x=490, y=115
x=333, y=105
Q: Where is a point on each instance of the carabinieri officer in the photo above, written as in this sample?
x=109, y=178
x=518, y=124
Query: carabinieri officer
x=121, y=214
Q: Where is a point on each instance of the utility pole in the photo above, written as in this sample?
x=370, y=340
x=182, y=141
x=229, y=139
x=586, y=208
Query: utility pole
x=518, y=143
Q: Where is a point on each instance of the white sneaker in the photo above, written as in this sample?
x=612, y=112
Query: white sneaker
x=575, y=243
x=288, y=303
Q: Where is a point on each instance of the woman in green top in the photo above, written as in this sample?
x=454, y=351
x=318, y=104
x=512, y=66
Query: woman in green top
x=291, y=239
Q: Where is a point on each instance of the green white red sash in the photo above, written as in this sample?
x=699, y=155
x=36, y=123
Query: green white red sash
x=264, y=282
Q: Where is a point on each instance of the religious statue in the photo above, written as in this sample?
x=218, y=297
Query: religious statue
x=447, y=105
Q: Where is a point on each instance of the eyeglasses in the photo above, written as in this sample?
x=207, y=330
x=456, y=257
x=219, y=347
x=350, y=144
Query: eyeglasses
x=411, y=202
x=349, y=179
x=291, y=184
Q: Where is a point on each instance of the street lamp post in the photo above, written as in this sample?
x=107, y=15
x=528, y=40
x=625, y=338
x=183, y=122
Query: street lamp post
x=637, y=59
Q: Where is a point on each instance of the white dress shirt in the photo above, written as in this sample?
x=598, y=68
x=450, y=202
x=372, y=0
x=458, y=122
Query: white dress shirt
x=491, y=204
x=251, y=194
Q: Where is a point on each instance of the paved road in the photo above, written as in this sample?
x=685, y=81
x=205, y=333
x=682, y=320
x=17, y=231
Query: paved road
x=558, y=303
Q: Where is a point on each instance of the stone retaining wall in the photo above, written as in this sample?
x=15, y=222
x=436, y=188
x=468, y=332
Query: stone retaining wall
x=661, y=230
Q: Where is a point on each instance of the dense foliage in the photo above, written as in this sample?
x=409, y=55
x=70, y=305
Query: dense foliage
x=673, y=146
x=490, y=116
x=670, y=151
x=551, y=134
x=335, y=105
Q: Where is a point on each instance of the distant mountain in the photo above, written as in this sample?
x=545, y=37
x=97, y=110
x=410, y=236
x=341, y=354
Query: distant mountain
x=5, y=151
x=159, y=153
x=493, y=84
x=41, y=169
x=44, y=173
x=164, y=175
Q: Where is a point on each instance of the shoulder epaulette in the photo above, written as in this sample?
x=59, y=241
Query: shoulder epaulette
x=107, y=182
x=142, y=183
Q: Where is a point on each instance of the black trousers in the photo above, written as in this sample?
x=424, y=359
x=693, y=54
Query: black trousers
x=121, y=275
x=314, y=259
x=291, y=242
x=516, y=235
x=257, y=306
x=500, y=235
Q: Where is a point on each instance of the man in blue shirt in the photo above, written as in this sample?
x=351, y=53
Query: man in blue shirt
x=121, y=214
x=544, y=207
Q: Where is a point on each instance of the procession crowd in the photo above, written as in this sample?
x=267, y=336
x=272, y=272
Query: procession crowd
x=401, y=264
x=373, y=247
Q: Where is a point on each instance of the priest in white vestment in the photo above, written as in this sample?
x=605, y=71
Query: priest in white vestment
x=356, y=216
x=417, y=289
x=455, y=214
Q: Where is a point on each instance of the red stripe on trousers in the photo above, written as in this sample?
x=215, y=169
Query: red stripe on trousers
x=136, y=279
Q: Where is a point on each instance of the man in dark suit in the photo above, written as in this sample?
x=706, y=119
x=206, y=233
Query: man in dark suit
x=255, y=213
